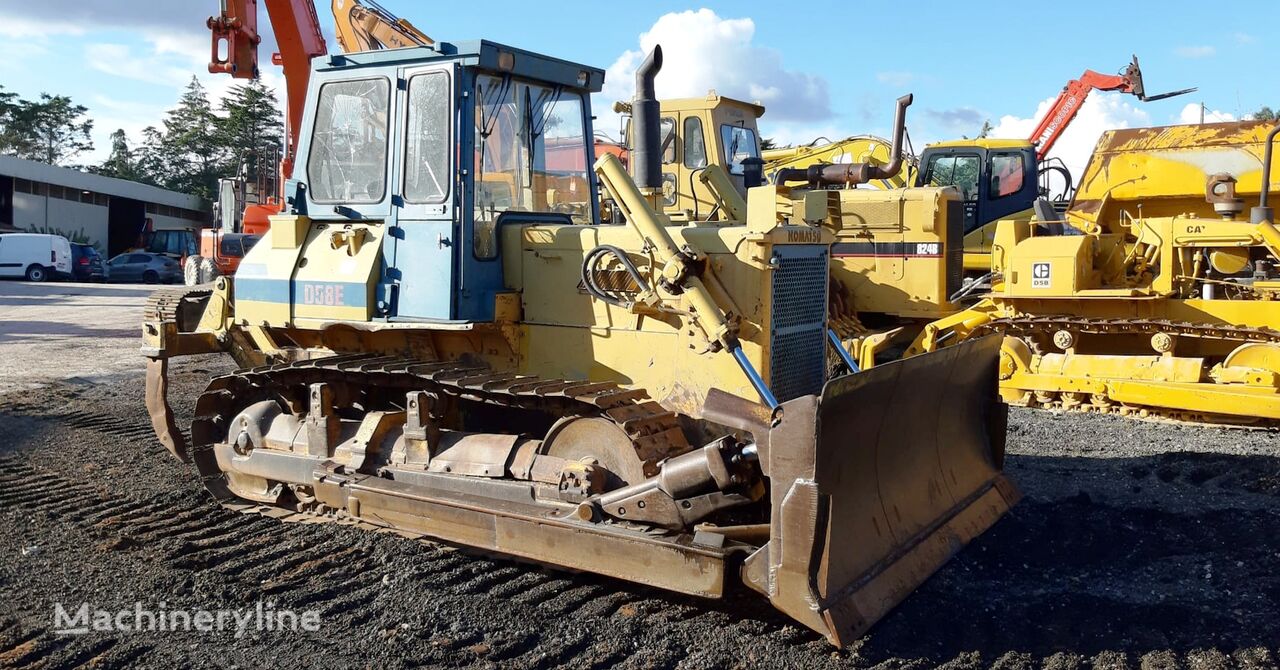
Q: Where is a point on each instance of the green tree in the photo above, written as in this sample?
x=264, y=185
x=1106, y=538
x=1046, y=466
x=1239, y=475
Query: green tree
x=1266, y=114
x=121, y=162
x=767, y=143
x=252, y=121
x=51, y=129
x=986, y=129
x=9, y=141
x=252, y=129
x=149, y=158
x=193, y=150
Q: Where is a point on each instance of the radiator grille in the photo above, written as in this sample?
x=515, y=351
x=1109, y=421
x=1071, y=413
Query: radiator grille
x=797, y=360
x=955, y=247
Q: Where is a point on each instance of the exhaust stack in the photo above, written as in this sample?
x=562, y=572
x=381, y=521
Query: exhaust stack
x=855, y=173
x=646, y=157
x=1263, y=216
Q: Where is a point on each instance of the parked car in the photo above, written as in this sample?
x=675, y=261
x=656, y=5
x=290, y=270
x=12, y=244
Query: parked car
x=140, y=266
x=86, y=263
x=34, y=256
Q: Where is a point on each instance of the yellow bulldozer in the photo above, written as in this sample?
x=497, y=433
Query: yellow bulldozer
x=438, y=337
x=1165, y=301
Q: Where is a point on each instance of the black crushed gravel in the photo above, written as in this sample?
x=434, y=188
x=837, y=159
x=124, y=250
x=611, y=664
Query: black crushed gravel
x=1138, y=545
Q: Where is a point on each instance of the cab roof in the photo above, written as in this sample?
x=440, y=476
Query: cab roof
x=711, y=100
x=981, y=143
x=482, y=54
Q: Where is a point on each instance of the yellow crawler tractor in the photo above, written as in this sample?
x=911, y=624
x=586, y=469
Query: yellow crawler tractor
x=1164, y=302
x=439, y=338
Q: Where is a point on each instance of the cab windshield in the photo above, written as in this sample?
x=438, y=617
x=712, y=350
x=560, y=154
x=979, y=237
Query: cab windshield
x=958, y=171
x=531, y=154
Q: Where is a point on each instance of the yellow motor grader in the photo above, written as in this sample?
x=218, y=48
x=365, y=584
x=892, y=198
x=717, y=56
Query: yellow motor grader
x=438, y=337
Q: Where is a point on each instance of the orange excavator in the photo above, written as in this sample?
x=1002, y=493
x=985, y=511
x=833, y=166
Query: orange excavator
x=246, y=201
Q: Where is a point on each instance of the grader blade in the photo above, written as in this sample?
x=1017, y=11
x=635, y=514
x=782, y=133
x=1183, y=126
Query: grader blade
x=878, y=482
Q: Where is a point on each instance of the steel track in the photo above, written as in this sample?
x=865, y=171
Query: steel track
x=1024, y=326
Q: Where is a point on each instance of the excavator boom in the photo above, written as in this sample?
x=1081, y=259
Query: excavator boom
x=367, y=26
x=297, y=30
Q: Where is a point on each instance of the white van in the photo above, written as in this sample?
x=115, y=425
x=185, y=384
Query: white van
x=34, y=257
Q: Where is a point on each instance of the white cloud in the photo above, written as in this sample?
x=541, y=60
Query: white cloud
x=702, y=51
x=168, y=59
x=1100, y=112
x=1244, y=38
x=18, y=27
x=119, y=60
x=1196, y=51
x=1191, y=114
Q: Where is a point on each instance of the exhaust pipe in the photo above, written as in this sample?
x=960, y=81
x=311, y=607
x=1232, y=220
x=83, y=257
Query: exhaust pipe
x=855, y=173
x=1263, y=211
x=899, y=131
x=1263, y=216
x=646, y=159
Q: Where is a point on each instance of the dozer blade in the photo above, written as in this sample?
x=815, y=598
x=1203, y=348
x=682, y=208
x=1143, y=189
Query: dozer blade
x=877, y=483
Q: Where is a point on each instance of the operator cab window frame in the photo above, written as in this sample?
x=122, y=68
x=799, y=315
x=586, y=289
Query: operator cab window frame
x=946, y=170
x=354, y=137
x=667, y=139
x=434, y=172
x=735, y=149
x=695, y=144
x=1007, y=171
x=532, y=155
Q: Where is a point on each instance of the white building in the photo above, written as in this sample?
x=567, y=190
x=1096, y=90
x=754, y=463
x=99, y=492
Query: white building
x=108, y=212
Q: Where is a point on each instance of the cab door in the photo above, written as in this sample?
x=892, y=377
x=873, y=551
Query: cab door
x=422, y=267
x=1011, y=187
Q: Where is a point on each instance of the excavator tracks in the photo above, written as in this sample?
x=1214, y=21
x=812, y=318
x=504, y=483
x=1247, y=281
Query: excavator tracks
x=655, y=432
x=1030, y=329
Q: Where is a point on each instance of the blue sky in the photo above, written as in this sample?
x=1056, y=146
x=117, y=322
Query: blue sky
x=835, y=72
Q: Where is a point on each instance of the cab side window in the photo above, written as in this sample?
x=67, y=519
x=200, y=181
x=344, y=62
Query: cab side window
x=427, y=174
x=667, y=131
x=695, y=147
x=1006, y=174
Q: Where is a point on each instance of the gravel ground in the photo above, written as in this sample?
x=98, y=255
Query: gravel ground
x=1137, y=545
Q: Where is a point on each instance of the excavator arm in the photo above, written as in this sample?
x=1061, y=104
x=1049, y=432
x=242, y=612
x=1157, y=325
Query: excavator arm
x=854, y=149
x=297, y=30
x=360, y=27
x=366, y=26
x=1073, y=95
